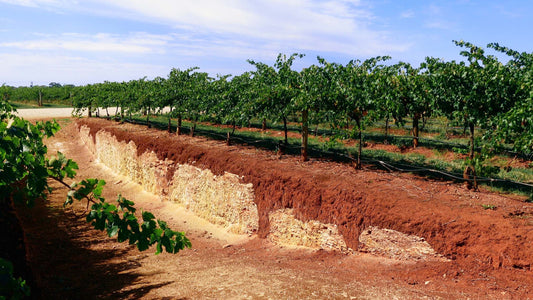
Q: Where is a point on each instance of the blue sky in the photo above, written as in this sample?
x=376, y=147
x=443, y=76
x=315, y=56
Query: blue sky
x=80, y=42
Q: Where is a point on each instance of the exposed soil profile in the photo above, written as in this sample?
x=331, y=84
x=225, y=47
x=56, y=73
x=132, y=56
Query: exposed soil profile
x=486, y=253
x=448, y=216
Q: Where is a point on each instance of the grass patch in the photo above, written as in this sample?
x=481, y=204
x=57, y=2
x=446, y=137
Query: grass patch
x=517, y=174
x=489, y=206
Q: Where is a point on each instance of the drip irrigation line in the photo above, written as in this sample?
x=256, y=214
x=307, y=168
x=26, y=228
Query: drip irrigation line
x=390, y=167
x=450, y=175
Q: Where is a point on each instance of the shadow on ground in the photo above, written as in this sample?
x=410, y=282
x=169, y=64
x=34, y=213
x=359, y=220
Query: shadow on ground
x=76, y=261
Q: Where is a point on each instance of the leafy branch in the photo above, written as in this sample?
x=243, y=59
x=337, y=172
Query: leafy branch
x=24, y=173
x=116, y=220
x=10, y=286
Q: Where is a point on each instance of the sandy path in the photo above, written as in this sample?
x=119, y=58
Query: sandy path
x=39, y=113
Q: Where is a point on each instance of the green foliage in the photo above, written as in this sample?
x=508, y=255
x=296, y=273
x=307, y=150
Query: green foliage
x=61, y=167
x=416, y=159
x=480, y=163
x=410, y=89
x=24, y=174
x=331, y=143
x=490, y=99
x=276, y=89
x=460, y=150
x=515, y=126
x=489, y=206
x=90, y=189
x=22, y=156
x=11, y=287
x=121, y=221
x=5, y=92
x=33, y=96
x=479, y=92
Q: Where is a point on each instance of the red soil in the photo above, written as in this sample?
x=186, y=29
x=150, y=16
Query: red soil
x=495, y=243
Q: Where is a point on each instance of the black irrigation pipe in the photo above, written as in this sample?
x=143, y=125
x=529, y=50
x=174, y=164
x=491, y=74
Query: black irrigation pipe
x=528, y=156
x=453, y=176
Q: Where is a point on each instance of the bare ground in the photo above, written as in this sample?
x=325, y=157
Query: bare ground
x=73, y=261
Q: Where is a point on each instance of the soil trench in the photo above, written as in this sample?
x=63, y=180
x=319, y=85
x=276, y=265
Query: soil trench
x=489, y=251
x=443, y=214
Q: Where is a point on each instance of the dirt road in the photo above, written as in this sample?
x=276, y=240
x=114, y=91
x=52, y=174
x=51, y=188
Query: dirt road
x=33, y=113
x=66, y=112
x=72, y=261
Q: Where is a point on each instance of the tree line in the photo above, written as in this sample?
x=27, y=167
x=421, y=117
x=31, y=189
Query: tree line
x=39, y=94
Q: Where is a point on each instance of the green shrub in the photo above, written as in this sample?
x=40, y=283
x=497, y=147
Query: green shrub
x=11, y=287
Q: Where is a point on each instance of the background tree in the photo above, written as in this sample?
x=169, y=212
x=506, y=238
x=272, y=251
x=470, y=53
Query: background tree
x=84, y=98
x=277, y=86
x=229, y=99
x=515, y=125
x=356, y=88
x=179, y=89
x=5, y=92
x=198, y=86
x=312, y=100
x=265, y=80
x=412, y=93
x=470, y=94
x=144, y=91
x=115, y=96
x=387, y=91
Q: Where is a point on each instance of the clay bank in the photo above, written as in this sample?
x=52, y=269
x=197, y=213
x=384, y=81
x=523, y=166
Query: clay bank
x=249, y=191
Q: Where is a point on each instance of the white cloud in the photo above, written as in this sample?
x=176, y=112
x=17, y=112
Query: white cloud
x=137, y=43
x=440, y=24
x=23, y=68
x=185, y=33
x=342, y=26
x=434, y=9
x=58, y=6
x=436, y=18
x=41, y=3
x=29, y=3
x=408, y=14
